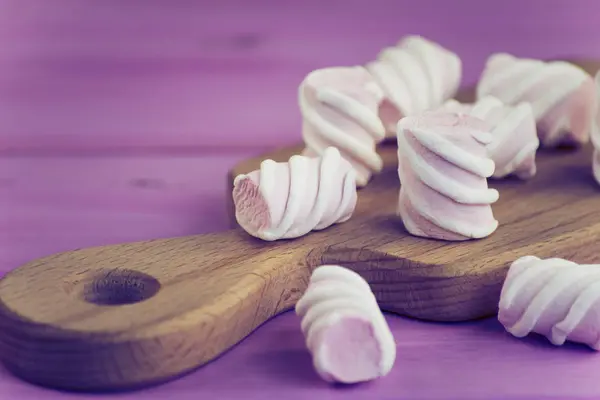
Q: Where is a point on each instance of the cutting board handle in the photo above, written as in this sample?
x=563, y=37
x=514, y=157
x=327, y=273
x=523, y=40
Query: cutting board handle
x=137, y=313
x=129, y=315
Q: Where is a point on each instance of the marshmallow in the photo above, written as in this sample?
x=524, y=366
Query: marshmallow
x=288, y=200
x=339, y=108
x=443, y=166
x=596, y=133
x=345, y=331
x=561, y=95
x=416, y=75
x=553, y=297
x=514, y=143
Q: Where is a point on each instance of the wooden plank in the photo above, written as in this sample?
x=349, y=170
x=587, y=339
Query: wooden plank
x=149, y=75
x=50, y=204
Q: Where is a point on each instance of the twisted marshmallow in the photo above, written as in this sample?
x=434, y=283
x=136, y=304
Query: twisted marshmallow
x=443, y=166
x=514, y=142
x=561, y=95
x=345, y=331
x=288, y=200
x=339, y=108
x=553, y=297
x=416, y=75
x=596, y=133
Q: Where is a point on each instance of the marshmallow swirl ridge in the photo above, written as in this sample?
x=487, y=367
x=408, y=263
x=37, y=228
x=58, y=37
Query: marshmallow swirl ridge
x=443, y=166
x=561, y=95
x=339, y=109
x=416, y=75
x=345, y=331
x=288, y=200
x=553, y=297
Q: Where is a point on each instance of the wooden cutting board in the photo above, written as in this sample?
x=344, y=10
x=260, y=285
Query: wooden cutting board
x=136, y=314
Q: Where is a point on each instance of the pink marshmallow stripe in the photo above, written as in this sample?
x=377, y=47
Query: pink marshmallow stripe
x=345, y=331
x=553, y=297
x=290, y=199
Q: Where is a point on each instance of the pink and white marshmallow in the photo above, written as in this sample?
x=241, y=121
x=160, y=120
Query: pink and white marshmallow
x=596, y=133
x=555, y=298
x=443, y=167
x=339, y=109
x=416, y=75
x=561, y=95
x=514, y=143
x=345, y=331
x=288, y=200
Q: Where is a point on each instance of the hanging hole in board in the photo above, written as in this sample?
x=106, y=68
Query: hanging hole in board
x=120, y=287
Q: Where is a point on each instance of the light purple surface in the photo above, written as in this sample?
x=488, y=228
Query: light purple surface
x=471, y=361
x=119, y=120
x=206, y=74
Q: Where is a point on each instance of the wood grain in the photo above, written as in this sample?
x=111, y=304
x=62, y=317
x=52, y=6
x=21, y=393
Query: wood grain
x=53, y=204
x=130, y=315
x=211, y=75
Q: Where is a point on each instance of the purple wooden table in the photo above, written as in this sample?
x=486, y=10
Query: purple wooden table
x=111, y=111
